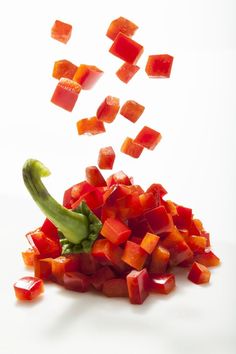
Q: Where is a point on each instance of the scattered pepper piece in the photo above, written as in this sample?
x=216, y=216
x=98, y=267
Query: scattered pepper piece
x=87, y=76
x=132, y=110
x=159, y=66
x=106, y=158
x=126, y=49
x=148, y=138
x=61, y=31
x=122, y=25
x=108, y=109
x=66, y=94
x=63, y=68
x=90, y=126
x=126, y=72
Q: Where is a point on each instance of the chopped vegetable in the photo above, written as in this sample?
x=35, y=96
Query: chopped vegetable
x=61, y=265
x=43, y=268
x=148, y=138
x=106, y=158
x=159, y=66
x=126, y=49
x=129, y=147
x=87, y=76
x=90, y=126
x=122, y=25
x=28, y=288
x=115, y=231
x=138, y=283
x=44, y=246
x=159, y=220
x=66, y=94
x=94, y=177
x=108, y=109
x=162, y=284
x=101, y=275
x=28, y=257
x=208, y=259
x=76, y=281
x=126, y=72
x=149, y=242
x=159, y=260
x=199, y=274
x=61, y=31
x=115, y=288
x=132, y=110
x=134, y=255
x=64, y=68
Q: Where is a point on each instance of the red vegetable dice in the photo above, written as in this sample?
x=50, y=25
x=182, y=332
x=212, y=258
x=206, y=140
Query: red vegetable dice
x=94, y=177
x=28, y=257
x=159, y=220
x=28, y=288
x=199, y=274
x=61, y=31
x=106, y=158
x=126, y=49
x=134, y=255
x=76, y=281
x=43, y=245
x=129, y=147
x=162, y=284
x=183, y=219
x=147, y=201
x=126, y=72
x=159, y=66
x=79, y=189
x=43, y=268
x=122, y=25
x=108, y=109
x=87, y=263
x=90, y=126
x=118, y=178
x=158, y=191
x=49, y=229
x=159, y=261
x=115, y=231
x=208, y=259
x=132, y=110
x=87, y=76
x=66, y=94
x=101, y=275
x=197, y=243
x=149, y=242
x=115, y=288
x=64, y=68
x=138, y=283
x=148, y=138
x=62, y=264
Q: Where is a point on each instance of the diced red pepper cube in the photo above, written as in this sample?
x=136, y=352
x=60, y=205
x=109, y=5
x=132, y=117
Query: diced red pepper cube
x=132, y=110
x=162, y=284
x=116, y=194
x=135, y=239
x=159, y=220
x=61, y=31
x=61, y=265
x=67, y=198
x=158, y=191
x=126, y=49
x=28, y=257
x=118, y=178
x=197, y=243
x=88, y=264
x=93, y=199
x=126, y=72
x=147, y=201
x=159, y=261
x=139, y=226
x=196, y=227
x=76, y=281
x=49, y=229
x=90, y=126
x=115, y=231
x=43, y=268
x=28, y=288
x=199, y=274
x=148, y=138
x=159, y=66
x=94, y=177
x=138, y=283
x=63, y=68
x=106, y=158
x=208, y=259
x=115, y=288
x=130, y=148
x=66, y=94
x=108, y=109
x=101, y=275
x=134, y=255
x=87, y=76
x=79, y=189
x=171, y=207
x=183, y=219
x=43, y=245
x=122, y=25
x=149, y=242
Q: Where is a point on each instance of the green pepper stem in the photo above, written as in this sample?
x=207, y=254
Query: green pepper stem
x=73, y=225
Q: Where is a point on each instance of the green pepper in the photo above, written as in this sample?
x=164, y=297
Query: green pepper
x=78, y=228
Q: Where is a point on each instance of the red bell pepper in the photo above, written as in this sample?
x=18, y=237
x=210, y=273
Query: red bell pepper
x=147, y=201
x=43, y=245
x=87, y=263
x=76, y=281
x=61, y=31
x=43, y=268
x=138, y=283
x=158, y=191
x=108, y=109
x=90, y=126
x=197, y=243
x=106, y=158
x=122, y=25
x=126, y=49
x=62, y=264
x=126, y=72
x=28, y=288
x=148, y=138
x=87, y=76
x=207, y=258
x=159, y=220
x=134, y=255
x=199, y=274
x=115, y=288
x=115, y=231
x=149, y=242
x=162, y=284
x=66, y=94
x=64, y=68
x=132, y=110
x=118, y=178
x=159, y=260
x=80, y=189
x=159, y=66
x=183, y=219
x=129, y=147
x=94, y=177
x=102, y=274
x=28, y=257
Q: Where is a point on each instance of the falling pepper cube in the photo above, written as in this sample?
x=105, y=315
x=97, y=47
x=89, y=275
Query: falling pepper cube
x=138, y=283
x=208, y=259
x=199, y=274
x=28, y=257
x=63, y=68
x=66, y=94
x=149, y=242
x=115, y=231
x=132, y=110
x=90, y=126
x=126, y=49
x=148, y=138
x=87, y=76
x=130, y=148
x=159, y=66
x=43, y=268
x=183, y=219
x=108, y=109
x=76, y=281
x=94, y=177
x=106, y=158
x=28, y=288
x=134, y=255
x=122, y=25
x=162, y=284
x=159, y=220
x=115, y=288
x=126, y=72
x=61, y=31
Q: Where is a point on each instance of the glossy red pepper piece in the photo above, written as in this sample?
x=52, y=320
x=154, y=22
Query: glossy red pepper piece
x=139, y=226
x=159, y=220
x=196, y=227
x=43, y=268
x=28, y=288
x=67, y=198
x=108, y=109
x=79, y=189
x=208, y=259
x=66, y=94
x=106, y=158
x=147, y=201
x=76, y=281
x=49, y=229
x=159, y=66
x=183, y=219
x=87, y=76
x=132, y=110
x=63, y=68
x=122, y=25
x=115, y=288
x=94, y=177
x=43, y=245
x=149, y=242
x=61, y=31
x=158, y=191
x=162, y=284
x=93, y=199
x=129, y=147
x=134, y=255
x=118, y=178
x=159, y=260
x=62, y=264
x=87, y=263
x=101, y=275
x=199, y=274
x=138, y=283
x=126, y=72
x=28, y=257
x=126, y=49
x=115, y=231
x=148, y=138
x=197, y=243
x=90, y=126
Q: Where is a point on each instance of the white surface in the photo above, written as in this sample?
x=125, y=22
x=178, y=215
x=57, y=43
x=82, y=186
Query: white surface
x=195, y=161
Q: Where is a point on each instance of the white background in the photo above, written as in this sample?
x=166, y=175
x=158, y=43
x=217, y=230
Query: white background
x=195, y=112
